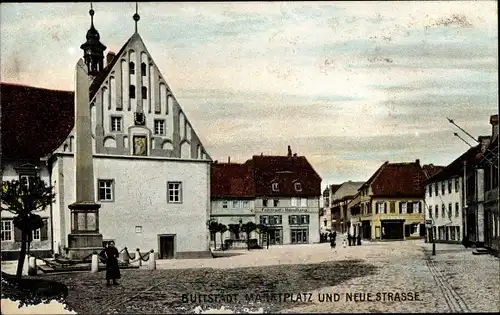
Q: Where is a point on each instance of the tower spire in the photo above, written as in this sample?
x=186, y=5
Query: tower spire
x=93, y=49
x=91, y=12
x=136, y=16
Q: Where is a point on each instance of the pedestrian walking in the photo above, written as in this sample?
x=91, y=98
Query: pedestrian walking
x=359, y=239
x=349, y=238
x=110, y=254
x=334, y=235
x=332, y=243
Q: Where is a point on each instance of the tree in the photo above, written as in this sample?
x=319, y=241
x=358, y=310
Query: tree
x=23, y=198
x=213, y=227
x=248, y=228
x=262, y=228
x=235, y=229
x=222, y=230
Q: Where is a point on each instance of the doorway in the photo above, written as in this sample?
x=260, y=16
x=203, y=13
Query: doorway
x=393, y=229
x=167, y=246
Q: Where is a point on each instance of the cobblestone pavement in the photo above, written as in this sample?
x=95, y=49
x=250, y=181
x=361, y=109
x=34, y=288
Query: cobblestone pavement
x=453, y=280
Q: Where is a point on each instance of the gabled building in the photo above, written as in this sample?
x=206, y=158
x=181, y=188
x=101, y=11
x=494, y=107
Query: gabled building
x=390, y=203
x=489, y=162
x=326, y=219
x=285, y=196
x=152, y=173
x=339, y=207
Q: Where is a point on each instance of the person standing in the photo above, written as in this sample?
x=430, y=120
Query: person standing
x=110, y=254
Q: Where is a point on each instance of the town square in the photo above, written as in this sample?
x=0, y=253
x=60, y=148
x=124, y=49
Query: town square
x=249, y=157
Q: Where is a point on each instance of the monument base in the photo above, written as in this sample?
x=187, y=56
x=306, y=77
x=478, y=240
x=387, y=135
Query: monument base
x=83, y=244
x=85, y=238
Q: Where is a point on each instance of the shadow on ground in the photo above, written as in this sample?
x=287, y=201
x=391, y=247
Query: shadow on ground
x=161, y=291
x=32, y=290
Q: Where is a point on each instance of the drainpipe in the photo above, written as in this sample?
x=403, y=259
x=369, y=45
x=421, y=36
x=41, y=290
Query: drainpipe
x=464, y=212
x=48, y=163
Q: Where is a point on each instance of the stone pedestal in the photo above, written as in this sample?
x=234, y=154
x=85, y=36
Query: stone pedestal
x=85, y=238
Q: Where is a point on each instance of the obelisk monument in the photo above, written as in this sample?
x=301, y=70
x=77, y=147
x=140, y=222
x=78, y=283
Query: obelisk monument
x=84, y=237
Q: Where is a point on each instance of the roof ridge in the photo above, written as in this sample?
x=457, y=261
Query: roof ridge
x=34, y=87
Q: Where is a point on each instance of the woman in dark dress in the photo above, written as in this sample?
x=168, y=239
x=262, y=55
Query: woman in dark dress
x=110, y=253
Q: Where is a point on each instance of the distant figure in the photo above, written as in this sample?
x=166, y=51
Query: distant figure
x=110, y=253
x=359, y=239
x=332, y=243
x=334, y=235
x=349, y=238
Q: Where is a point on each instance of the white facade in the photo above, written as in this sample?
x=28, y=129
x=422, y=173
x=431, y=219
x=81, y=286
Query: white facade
x=295, y=220
x=144, y=151
x=443, y=207
x=41, y=240
x=233, y=211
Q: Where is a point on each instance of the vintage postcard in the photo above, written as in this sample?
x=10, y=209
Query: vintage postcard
x=249, y=157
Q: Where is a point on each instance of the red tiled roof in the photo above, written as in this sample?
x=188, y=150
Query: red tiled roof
x=398, y=179
x=285, y=170
x=456, y=168
x=255, y=178
x=231, y=180
x=35, y=121
x=431, y=170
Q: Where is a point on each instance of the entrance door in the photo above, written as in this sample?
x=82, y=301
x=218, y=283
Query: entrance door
x=275, y=237
x=166, y=247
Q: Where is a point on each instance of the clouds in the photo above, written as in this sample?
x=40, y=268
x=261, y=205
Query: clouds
x=350, y=85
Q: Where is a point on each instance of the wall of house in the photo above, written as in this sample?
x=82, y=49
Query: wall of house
x=140, y=200
x=10, y=248
x=232, y=214
x=409, y=218
x=285, y=209
x=443, y=225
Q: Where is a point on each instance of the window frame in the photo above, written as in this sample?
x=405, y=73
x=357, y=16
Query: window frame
x=33, y=233
x=144, y=92
x=111, y=124
x=11, y=230
x=163, y=123
x=180, y=190
x=143, y=69
x=298, y=186
x=131, y=91
x=275, y=187
x=224, y=204
x=112, y=189
x=131, y=67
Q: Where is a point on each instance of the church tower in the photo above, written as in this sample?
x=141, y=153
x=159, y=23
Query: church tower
x=93, y=49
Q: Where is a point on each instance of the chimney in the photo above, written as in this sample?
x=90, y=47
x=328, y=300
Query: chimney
x=484, y=141
x=215, y=162
x=295, y=155
x=494, y=125
x=110, y=57
x=228, y=159
x=262, y=154
x=417, y=161
x=289, y=151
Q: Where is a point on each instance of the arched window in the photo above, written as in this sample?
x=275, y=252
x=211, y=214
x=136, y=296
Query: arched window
x=143, y=69
x=144, y=92
x=131, y=91
x=131, y=67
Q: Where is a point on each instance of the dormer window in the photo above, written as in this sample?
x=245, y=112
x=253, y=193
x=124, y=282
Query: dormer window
x=298, y=187
x=275, y=186
x=131, y=67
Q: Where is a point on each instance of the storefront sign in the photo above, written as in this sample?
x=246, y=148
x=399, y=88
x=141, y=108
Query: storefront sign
x=284, y=210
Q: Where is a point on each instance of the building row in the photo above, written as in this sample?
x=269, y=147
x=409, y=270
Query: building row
x=154, y=180
x=462, y=199
x=281, y=192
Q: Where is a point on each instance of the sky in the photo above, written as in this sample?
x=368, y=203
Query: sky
x=349, y=85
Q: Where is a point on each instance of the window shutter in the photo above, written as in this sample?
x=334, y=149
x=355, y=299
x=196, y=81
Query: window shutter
x=18, y=234
x=44, y=230
x=385, y=207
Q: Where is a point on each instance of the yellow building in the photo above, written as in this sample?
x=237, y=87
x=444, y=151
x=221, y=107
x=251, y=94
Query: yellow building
x=390, y=204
